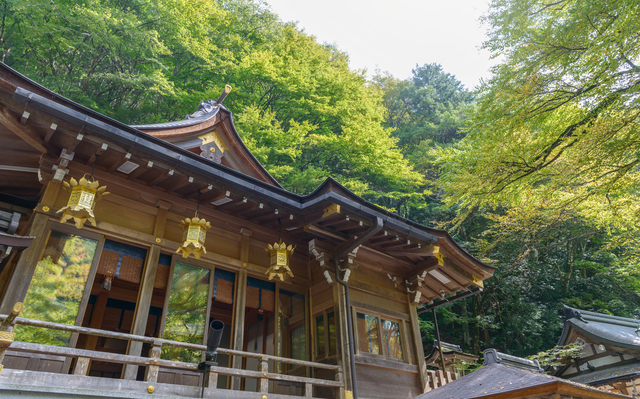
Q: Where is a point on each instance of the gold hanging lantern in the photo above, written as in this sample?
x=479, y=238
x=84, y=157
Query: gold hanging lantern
x=195, y=233
x=279, y=260
x=83, y=198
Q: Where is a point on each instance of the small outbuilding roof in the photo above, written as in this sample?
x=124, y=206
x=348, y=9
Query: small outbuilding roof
x=506, y=376
x=618, y=332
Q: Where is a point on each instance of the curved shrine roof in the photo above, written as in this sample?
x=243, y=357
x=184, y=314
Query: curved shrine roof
x=165, y=161
x=602, y=328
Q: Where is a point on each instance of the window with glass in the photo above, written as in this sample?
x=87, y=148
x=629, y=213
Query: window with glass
x=186, y=315
x=379, y=336
x=325, y=334
x=291, y=307
x=57, y=287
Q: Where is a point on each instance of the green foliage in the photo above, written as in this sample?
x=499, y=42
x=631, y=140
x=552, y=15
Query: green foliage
x=553, y=356
x=558, y=122
x=57, y=288
x=186, y=318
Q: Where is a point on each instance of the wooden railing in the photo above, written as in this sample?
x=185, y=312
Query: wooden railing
x=154, y=362
x=437, y=378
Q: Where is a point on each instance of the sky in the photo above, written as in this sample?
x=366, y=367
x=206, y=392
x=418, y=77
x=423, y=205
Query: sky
x=397, y=35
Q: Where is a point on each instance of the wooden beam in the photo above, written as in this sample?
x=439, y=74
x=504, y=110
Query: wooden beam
x=199, y=191
x=19, y=284
x=140, y=170
x=460, y=271
x=396, y=244
x=24, y=117
x=164, y=176
x=414, y=322
x=333, y=235
x=144, y=302
x=24, y=132
x=50, y=132
x=180, y=184
x=99, y=152
x=252, y=209
x=272, y=215
x=229, y=206
x=238, y=323
x=74, y=143
x=431, y=250
x=221, y=199
x=121, y=162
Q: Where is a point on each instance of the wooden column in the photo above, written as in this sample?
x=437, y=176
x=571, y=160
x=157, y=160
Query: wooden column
x=26, y=266
x=50, y=193
x=238, y=328
x=97, y=314
x=417, y=342
x=145, y=293
x=342, y=334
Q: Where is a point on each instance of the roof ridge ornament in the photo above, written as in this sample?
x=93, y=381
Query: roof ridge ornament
x=571, y=313
x=208, y=106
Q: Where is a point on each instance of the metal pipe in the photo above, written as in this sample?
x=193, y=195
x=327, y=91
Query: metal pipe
x=352, y=355
x=435, y=323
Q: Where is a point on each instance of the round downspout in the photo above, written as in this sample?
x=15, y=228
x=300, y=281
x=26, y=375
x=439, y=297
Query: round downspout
x=352, y=356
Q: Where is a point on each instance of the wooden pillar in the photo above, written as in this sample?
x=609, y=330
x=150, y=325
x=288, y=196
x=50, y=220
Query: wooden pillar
x=146, y=293
x=417, y=342
x=26, y=266
x=97, y=314
x=342, y=334
x=238, y=328
x=6, y=331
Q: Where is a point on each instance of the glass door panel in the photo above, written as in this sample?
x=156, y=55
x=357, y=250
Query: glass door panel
x=187, y=311
x=57, y=287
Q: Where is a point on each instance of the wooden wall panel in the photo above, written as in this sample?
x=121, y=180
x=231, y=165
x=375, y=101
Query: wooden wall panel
x=378, y=304
x=383, y=383
x=222, y=245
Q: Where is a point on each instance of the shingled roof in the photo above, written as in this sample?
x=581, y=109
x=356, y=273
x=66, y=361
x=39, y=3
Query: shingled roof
x=506, y=376
x=618, y=332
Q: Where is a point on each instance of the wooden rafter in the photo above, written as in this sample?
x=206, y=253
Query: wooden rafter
x=182, y=183
x=140, y=170
x=24, y=132
x=119, y=163
x=164, y=176
x=98, y=152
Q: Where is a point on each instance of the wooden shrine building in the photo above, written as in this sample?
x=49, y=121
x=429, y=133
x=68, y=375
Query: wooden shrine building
x=454, y=358
x=111, y=307
x=611, y=351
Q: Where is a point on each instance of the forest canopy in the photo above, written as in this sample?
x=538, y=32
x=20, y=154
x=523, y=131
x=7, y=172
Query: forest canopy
x=534, y=172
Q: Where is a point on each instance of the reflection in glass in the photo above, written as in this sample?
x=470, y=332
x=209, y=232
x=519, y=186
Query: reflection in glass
x=368, y=334
x=186, y=314
x=291, y=308
x=392, y=337
x=332, y=333
x=320, y=336
x=57, y=287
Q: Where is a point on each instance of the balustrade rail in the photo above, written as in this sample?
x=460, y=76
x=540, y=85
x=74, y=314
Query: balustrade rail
x=154, y=362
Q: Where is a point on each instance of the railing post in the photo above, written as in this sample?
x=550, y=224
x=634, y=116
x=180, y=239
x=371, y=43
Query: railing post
x=433, y=380
x=441, y=380
x=6, y=330
x=340, y=378
x=264, y=382
x=308, y=390
x=151, y=374
x=82, y=366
